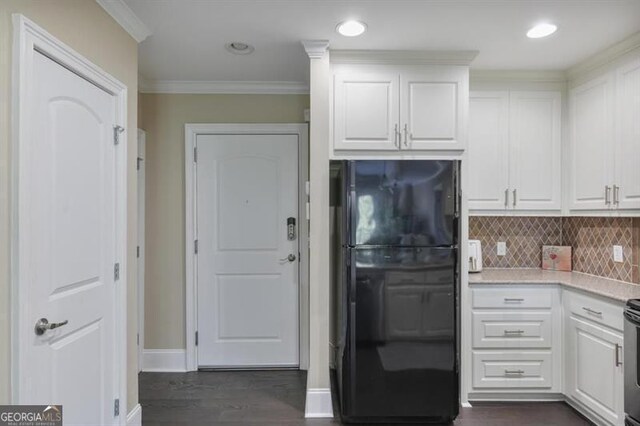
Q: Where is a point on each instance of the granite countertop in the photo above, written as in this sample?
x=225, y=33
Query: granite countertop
x=617, y=290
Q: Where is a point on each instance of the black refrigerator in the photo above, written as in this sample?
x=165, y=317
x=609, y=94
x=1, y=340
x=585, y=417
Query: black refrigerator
x=397, y=290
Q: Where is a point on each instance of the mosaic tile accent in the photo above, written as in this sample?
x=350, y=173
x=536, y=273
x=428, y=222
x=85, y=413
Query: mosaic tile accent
x=592, y=239
x=635, y=259
x=524, y=236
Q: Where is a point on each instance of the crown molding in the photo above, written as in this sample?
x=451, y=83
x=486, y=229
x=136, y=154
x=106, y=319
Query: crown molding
x=315, y=48
x=128, y=20
x=224, y=87
x=514, y=76
x=409, y=57
x=605, y=57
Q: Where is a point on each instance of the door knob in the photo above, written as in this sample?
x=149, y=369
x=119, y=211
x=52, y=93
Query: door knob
x=289, y=258
x=43, y=325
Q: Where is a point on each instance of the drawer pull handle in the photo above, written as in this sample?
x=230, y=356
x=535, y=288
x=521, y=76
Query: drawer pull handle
x=519, y=372
x=513, y=299
x=592, y=312
x=513, y=332
x=618, y=350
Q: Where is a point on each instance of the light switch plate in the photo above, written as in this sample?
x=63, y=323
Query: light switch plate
x=617, y=254
x=502, y=248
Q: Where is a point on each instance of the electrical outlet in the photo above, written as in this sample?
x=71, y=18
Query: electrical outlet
x=502, y=248
x=617, y=254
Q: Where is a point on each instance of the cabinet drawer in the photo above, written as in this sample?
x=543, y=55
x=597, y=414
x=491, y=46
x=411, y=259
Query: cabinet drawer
x=512, y=330
x=596, y=310
x=512, y=298
x=512, y=370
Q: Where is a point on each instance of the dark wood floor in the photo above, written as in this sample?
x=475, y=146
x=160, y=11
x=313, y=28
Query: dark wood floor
x=277, y=398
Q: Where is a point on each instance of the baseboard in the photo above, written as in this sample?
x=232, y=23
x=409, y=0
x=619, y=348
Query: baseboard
x=587, y=412
x=134, y=418
x=318, y=404
x=164, y=360
x=515, y=397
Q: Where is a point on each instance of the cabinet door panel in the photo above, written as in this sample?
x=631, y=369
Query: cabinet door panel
x=591, y=108
x=366, y=111
x=488, y=150
x=627, y=172
x=433, y=107
x=593, y=378
x=535, y=150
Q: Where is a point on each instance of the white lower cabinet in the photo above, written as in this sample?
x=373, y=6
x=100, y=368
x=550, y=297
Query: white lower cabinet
x=593, y=358
x=528, y=341
x=515, y=346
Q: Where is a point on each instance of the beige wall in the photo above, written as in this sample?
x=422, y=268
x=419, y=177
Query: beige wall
x=87, y=28
x=163, y=117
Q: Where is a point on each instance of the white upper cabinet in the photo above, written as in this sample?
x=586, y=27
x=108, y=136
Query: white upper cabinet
x=431, y=109
x=366, y=111
x=605, y=142
x=627, y=148
x=535, y=150
x=488, y=151
x=591, y=113
x=399, y=108
x=515, y=151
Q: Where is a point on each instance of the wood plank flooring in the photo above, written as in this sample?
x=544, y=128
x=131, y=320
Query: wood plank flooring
x=236, y=398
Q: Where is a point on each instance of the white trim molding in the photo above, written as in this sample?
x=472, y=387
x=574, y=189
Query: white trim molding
x=504, y=76
x=224, y=87
x=128, y=20
x=164, y=360
x=407, y=57
x=29, y=38
x=134, y=417
x=315, y=48
x=605, y=57
x=318, y=404
x=191, y=132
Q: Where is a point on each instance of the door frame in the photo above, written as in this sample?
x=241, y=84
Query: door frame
x=191, y=291
x=140, y=249
x=28, y=38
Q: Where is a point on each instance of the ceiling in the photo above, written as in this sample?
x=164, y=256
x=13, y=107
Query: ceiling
x=188, y=37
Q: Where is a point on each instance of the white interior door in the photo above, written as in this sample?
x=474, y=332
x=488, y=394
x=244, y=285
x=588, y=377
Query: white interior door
x=247, y=291
x=67, y=246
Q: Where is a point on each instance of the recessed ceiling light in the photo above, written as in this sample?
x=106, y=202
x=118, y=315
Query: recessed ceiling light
x=239, y=48
x=541, y=30
x=351, y=28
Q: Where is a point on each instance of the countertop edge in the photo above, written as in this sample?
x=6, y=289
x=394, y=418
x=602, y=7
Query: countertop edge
x=610, y=295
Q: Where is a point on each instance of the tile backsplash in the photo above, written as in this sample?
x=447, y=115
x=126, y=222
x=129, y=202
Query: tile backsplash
x=592, y=239
x=524, y=236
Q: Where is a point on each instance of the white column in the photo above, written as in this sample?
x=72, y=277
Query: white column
x=318, y=402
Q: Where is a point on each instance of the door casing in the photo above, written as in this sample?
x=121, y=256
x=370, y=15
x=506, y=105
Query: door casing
x=29, y=38
x=191, y=133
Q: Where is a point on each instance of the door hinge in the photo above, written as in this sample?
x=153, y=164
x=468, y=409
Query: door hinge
x=196, y=338
x=116, y=271
x=195, y=246
x=138, y=339
x=117, y=130
x=138, y=162
x=195, y=154
x=116, y=407
x=137, y=251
